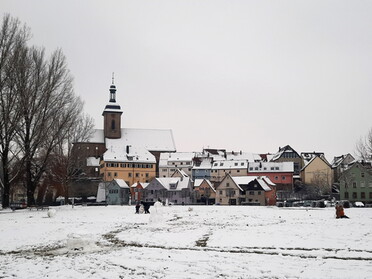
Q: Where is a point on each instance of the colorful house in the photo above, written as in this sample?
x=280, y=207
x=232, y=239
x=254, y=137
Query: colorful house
x=241, y=190
x=204, y=192
x=117, y=192
x=280, y=173
x=132, y=163
x=356, y=183
x=136, y=191
x=175, y=190
x=317, y=171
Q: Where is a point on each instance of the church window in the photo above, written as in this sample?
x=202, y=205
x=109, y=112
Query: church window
x=112, y=124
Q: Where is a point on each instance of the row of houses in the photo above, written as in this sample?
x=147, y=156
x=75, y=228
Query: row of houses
x=181, y=190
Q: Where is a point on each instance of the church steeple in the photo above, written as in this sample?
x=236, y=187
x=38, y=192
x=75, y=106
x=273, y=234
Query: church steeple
x=112, y=115
x=113, y=90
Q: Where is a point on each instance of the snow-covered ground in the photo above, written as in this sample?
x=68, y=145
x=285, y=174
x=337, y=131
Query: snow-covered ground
x=186, y=242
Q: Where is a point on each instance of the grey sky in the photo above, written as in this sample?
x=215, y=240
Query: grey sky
x=241, y=75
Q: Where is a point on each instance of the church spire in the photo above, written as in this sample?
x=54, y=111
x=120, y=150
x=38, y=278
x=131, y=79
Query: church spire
x=113, y=91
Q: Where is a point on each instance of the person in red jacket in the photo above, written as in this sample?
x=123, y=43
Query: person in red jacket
x=340, y=213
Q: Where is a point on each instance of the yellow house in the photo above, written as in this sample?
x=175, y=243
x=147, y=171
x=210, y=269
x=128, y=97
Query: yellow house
x=132, y=163
x=316, y=171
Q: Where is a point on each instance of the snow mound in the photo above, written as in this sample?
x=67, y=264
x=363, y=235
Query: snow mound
x=156, y=215
x=51, y=213
x=80, y=242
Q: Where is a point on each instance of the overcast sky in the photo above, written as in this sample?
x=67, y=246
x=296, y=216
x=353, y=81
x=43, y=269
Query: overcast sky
x=240, y=75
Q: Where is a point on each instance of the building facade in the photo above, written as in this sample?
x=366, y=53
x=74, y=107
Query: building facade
x=356, y=183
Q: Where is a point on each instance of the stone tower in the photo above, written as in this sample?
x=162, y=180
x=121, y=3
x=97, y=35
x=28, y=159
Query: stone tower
x=112, y=116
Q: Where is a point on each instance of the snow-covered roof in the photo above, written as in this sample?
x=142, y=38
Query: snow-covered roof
x=143, y=184
x=233, y=164
x=282, y=150
x=175, y=157
x=181, y=183
x=198, y=182
x=112, y=107
x=205, y=164
x=93, y=162
x=271, y=167
x=343, y=159
x=121, y=183
x=151, y=139
x=264, y=181
x=308, y=157
x=250, y=157
x=116, y=152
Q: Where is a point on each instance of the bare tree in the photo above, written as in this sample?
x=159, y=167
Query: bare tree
x=49, y=110
x=62, y=165
x=13, y=38
x=364, y=147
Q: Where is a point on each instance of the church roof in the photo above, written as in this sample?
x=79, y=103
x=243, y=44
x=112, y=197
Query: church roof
x=150, y=139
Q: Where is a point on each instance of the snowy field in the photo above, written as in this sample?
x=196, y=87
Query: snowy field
x=186, y=242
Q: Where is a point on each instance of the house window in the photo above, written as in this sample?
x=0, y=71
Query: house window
x=130, y=174
x=354, y=184
x=147, y=175
x=227, y=184
x=238, y=171
x=220, y=192
x=256, y=168
x=251, y=168
x=109, y=174
x=355, y=195
x=276, y=168
x=283, y=177
x=346, y=195
x=137, y=174
x=362, y=174
x=362, y=195
x=259, y=192
x=115, y=174
x=251, y=193
x=242, y=164
x=276, y=177
x=362, y=184
x=235, y=164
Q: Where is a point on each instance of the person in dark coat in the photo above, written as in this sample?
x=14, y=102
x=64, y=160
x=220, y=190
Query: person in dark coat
x=147, y=207
x=138, y=205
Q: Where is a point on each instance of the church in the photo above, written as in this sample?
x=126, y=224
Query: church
x=115, y=152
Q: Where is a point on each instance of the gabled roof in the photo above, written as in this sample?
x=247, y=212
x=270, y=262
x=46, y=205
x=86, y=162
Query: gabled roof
x=143, y=184
x=180, y=172
x=120, y=182
x=309, y=157
x=181, y=183
x=245, y=182
x=198, y=182
x=283, y=150
x=338, y=160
